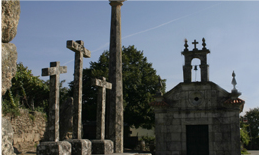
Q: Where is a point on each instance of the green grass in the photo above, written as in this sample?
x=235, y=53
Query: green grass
x=244, y=151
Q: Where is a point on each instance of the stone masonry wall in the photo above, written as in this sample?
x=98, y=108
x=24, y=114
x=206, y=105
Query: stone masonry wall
x=224, y=137
x=28, y=128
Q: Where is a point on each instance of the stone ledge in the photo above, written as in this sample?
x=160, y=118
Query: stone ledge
x=125, y=154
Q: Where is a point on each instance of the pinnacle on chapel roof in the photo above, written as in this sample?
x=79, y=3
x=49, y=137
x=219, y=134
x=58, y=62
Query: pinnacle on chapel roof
x=203, y=44
x=234, y=82
x=195, y=45
x=185, y=44
x=234, y=92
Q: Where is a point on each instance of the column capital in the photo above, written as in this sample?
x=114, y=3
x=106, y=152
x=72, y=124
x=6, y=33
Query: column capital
x=116, y=2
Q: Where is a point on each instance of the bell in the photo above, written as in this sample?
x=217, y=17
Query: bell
x=195, y=68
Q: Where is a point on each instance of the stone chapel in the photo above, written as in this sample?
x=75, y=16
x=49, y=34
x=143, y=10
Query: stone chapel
x=197, y=118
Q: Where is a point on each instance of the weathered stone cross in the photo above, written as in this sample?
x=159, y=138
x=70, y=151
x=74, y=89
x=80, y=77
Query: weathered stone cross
x=80, y=52
x=195, y=43
x=53, y=122
x=100, y=116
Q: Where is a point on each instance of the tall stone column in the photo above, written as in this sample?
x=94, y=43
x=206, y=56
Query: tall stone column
x=115, y=104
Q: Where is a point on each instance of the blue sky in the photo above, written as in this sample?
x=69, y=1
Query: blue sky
x=156, y=27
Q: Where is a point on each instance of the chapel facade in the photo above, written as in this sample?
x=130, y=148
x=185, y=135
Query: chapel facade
x=197, y=118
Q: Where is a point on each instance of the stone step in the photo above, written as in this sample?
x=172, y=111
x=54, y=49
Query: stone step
x=126, y=154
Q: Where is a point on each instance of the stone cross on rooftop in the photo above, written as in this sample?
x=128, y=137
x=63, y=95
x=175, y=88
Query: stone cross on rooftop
x=195, y=43
x=100, y=117
x=53, y=122
x=80, y=52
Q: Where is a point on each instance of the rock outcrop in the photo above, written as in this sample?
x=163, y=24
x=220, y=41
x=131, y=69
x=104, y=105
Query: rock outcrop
x=10, y=19
x=9, y=58
x=7, y=138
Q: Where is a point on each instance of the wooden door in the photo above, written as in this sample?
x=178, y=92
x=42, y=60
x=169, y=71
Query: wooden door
x=197, y=140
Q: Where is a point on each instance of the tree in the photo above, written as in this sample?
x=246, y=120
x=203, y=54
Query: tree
x=28, y=88
x=253, y=121
x=244, y=135
x=139, y=87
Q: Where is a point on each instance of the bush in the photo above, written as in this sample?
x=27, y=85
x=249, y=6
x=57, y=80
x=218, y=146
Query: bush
x=244, y=151
x=149, y=142
x=11, y=106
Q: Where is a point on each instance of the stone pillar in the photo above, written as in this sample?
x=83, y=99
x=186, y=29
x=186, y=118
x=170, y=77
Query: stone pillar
x=54, y=146
x=79, y=146
x=80, y=52
x=204, y=73
x=101, y=101
x=187, y=73
x=53, y=122
x=115, y=104
x=100, y=145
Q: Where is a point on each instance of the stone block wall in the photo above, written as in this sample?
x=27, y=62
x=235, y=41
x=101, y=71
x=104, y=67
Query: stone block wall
x=29, y=129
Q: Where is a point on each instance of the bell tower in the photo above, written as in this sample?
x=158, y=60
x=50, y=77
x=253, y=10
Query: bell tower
x=197, y=118
x=189, y=56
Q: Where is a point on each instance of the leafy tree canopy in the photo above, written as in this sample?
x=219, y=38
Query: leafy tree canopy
x=253, y=121
x=244, y=135
x=139, y=87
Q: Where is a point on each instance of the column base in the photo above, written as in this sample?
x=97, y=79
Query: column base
x=80, y=146
x=102, y=146
x=57, y=148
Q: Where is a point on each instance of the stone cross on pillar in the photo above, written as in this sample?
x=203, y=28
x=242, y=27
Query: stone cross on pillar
x=101, y=100
x=80, y=52
x=115, y=104
x=100, y=145
x=53, y=122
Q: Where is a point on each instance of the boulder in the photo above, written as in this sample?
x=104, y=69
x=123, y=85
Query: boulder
x=10, y=19
x=7, y=137
x=9, y=58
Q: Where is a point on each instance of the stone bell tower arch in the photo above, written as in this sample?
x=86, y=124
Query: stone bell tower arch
x=189, y=56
